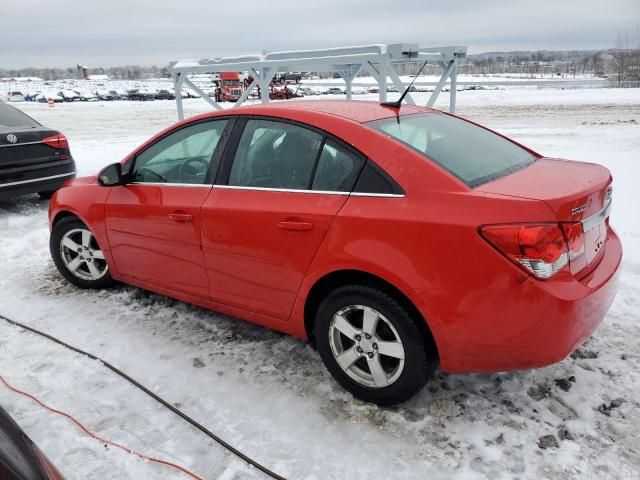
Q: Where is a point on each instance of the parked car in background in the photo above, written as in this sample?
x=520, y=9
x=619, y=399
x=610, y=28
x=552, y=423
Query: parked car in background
x=31, y=96
x=119, y=94
x=33, y=158
x=69, y=96
x=165, y=95
x=396, y=239
x=15, y=96
x=105, y=95
x=44, y=97
x=87, y=96
x=335, y=91
x=141, y=94
x=20, y=458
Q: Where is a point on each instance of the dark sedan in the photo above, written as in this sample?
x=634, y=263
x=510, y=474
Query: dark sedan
x=20, y=458
x=141, y=95
x=33, y=158
x=165, y=95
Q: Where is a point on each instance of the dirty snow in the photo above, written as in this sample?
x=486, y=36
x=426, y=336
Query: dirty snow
x=269, y=394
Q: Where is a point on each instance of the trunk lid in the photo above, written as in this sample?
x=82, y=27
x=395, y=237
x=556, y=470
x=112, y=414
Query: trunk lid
x=20, y=147
x=573, y=190
x=577, y=192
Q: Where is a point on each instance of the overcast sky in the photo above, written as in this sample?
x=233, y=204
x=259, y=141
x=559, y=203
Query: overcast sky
x=61, y=33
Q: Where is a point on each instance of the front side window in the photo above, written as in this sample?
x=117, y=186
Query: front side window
x=274, y=154
x=182, y=157
x=473, y=154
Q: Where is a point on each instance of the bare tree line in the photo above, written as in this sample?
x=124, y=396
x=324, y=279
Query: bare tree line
x=626, y=58
x=621, y=64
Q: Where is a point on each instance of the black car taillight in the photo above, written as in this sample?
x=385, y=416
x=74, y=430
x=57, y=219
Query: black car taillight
x=58, y=141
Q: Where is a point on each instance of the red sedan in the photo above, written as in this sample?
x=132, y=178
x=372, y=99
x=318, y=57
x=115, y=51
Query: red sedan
x=395, y=239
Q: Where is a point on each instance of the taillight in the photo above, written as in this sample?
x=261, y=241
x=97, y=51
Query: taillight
x=574, y=234
x=541, y=249
x=56, y=141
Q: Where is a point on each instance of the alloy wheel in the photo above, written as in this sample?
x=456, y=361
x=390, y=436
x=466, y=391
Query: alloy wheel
x=82, y=256
x=366, y=346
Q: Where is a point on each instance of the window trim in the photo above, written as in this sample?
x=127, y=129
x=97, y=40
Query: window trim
x=214, y=162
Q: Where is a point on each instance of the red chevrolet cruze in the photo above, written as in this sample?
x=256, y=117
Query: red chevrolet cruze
x=396, y=239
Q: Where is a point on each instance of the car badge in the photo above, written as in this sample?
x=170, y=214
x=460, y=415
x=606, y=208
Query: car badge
x=11, y=138
x=580, y=208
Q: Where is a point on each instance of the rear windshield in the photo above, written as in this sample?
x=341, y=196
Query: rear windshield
x=471, y=153
x=12, y=117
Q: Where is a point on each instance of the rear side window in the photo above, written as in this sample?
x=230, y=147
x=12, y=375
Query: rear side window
x=12, y=117
x=274, y=154
x=337, y=169
x=469, y=152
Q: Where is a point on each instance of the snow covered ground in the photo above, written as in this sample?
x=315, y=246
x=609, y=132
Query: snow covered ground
x=269, y=394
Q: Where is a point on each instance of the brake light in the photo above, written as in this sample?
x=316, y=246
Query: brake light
x=56, y=141
x=574, y=234
x=541, y=249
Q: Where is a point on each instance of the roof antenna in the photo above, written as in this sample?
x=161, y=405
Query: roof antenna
x=398, y=102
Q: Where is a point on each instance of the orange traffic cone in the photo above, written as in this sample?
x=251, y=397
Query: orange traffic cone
x=50, y=102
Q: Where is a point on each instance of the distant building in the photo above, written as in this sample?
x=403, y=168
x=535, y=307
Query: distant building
x=81, y=72
x=97, y=77
x=21, y=79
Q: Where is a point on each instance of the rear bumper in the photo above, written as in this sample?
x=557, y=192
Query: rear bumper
x=46, y=179
x=536, y=324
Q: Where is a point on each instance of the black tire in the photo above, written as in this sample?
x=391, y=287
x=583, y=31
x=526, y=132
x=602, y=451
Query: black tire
x=58, y=232
x=420, y=355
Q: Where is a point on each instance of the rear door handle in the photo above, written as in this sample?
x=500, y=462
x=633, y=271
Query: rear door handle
x=181, y=217
x=296, y=226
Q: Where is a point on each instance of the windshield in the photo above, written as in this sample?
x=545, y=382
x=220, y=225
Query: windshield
x=471, y=153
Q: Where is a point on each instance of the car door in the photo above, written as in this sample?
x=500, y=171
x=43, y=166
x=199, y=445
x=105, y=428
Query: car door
x=154, y=221
x=273, y=203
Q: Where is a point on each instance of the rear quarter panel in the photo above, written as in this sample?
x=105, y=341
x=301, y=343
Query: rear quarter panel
x=427, y=246
x=426, y=243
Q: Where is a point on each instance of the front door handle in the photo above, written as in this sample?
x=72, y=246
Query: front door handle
x=181, y=217
x=296, y=226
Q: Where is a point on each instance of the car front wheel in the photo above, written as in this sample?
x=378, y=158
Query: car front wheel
x=372, y=345
x=77, y=255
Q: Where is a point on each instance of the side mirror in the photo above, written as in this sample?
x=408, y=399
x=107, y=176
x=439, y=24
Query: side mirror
x=111, y=176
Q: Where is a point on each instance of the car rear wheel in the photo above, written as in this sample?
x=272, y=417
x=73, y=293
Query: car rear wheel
x=372, y=346
x=77, y=255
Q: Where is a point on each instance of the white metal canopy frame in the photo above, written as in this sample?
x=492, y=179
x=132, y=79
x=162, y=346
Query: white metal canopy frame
x=348, y=62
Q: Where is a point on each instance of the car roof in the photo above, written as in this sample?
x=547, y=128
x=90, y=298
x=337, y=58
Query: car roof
x=360, y=111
